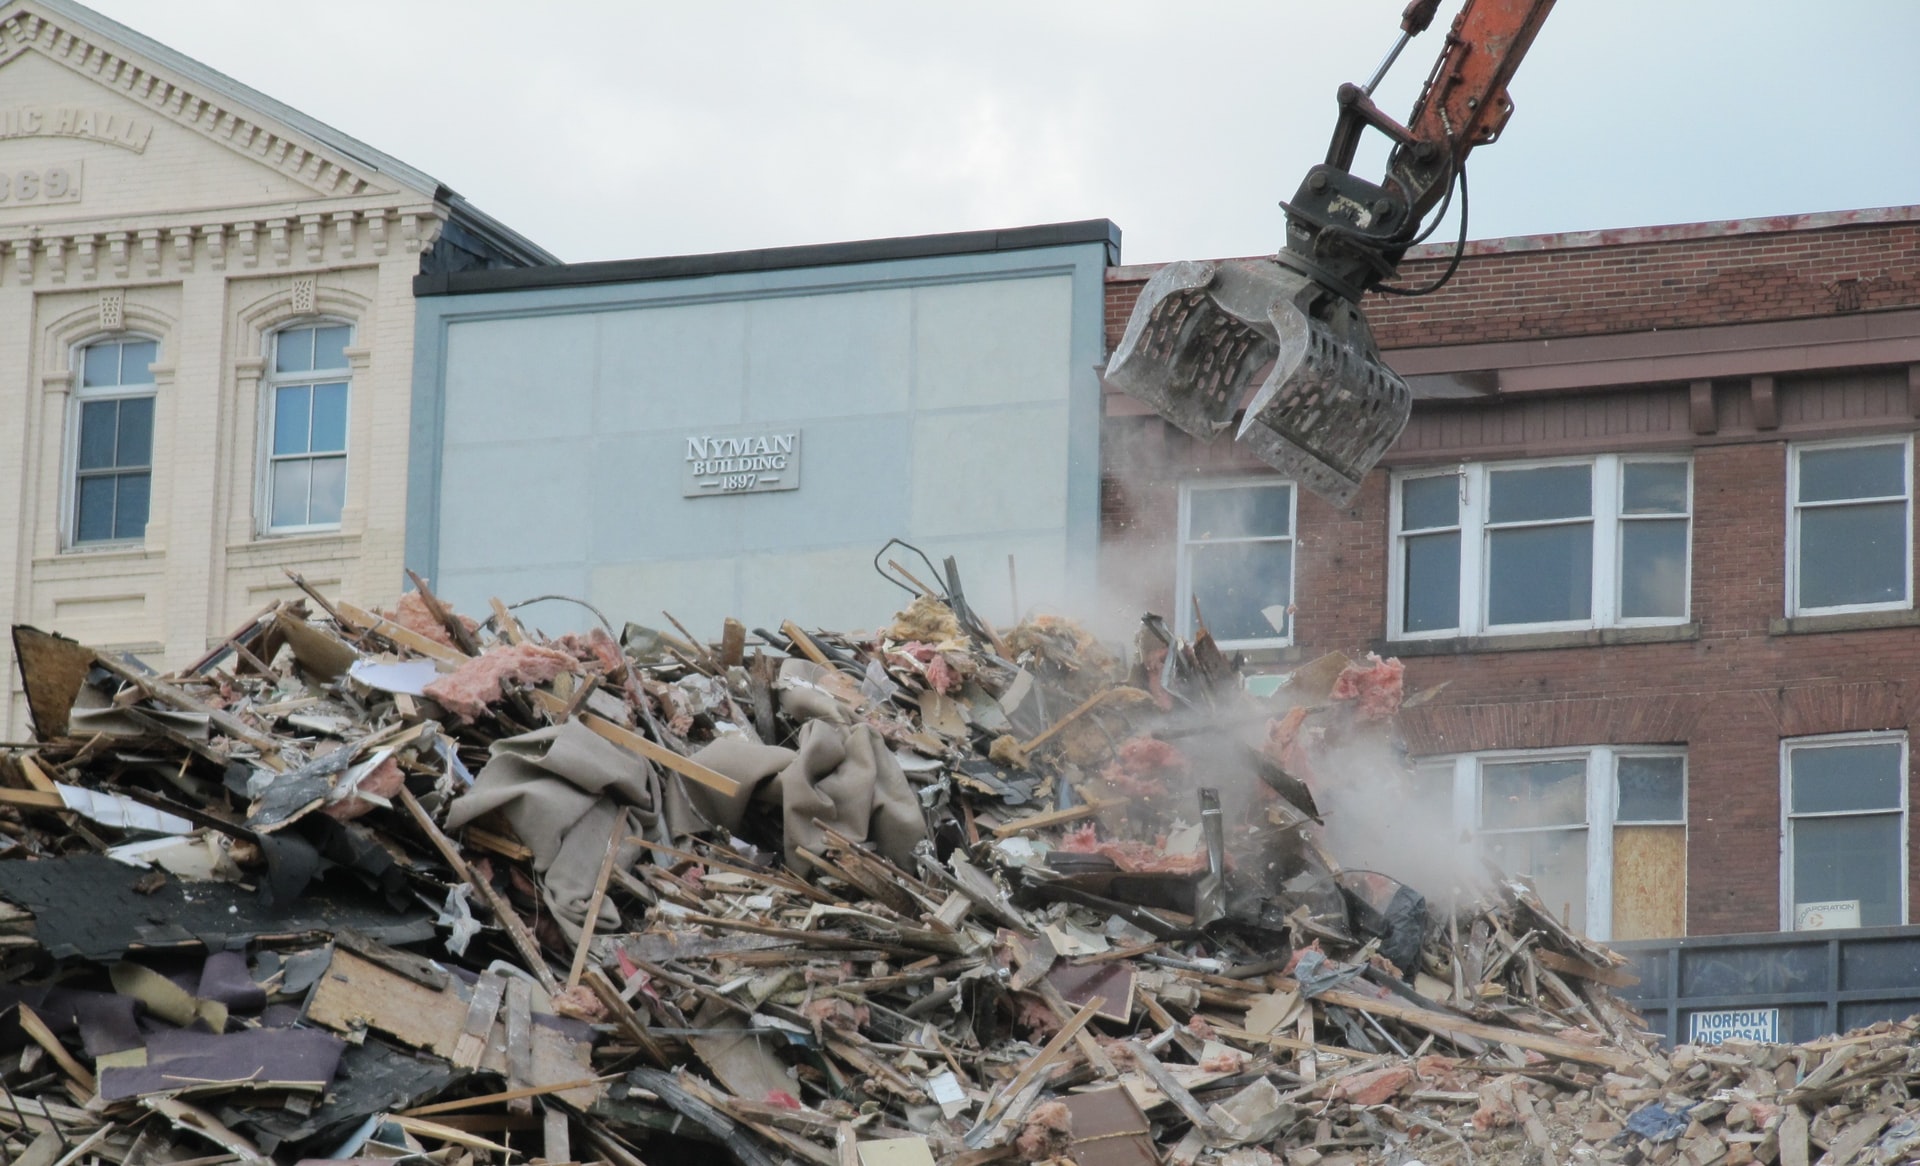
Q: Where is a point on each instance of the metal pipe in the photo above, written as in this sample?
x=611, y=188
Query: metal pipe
x=1393, y=55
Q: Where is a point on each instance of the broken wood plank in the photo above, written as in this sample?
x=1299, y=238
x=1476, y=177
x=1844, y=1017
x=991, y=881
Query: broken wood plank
x=481, y=1011
x=1447, y=1025
x=1050, y=818
x=406, y=637
x=627, y=739
x=503, y=912
x=614, y=842
x=504, y=1095
x=43, y=1036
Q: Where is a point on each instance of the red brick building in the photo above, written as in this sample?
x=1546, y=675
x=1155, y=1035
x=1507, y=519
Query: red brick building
x=1652, y=523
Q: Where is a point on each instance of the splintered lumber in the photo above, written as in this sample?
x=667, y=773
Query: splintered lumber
x=406, y=637
x=628, y=739
x=1053, y=818
x=1445, y=1025
x=503, y=911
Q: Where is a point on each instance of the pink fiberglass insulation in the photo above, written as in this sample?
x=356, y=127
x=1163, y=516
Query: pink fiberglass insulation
x=1143, y=766
x=477, y=683
x=1046, y=1134
x=385, y=781
x=1130, y=856
x=411, y=613
x=596, y=647
x=1376, y=686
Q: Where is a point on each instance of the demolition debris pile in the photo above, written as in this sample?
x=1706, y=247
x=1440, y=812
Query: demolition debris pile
x=409, y=885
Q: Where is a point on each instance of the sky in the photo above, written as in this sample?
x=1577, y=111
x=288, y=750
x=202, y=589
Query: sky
x=615, y=129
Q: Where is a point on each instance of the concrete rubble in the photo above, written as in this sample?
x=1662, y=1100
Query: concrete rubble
x=415, y=886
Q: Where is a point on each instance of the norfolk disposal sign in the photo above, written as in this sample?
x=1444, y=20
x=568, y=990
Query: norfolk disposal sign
x=751, y=460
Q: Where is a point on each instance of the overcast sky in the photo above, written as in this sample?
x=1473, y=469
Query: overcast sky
x=608, y=129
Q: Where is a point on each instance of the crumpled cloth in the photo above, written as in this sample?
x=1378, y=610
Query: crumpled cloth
x=842, y=774
x=565, y=791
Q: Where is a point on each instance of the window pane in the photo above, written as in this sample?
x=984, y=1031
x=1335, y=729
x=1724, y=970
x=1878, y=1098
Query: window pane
x=1653, y=569
x=1515, y=794
x=293, y=350
x=1556, y=861
x=99, y=421
x=93, y=509
x=135, y=356
x=101, y=365
x=329, y=489
x=1532, y=495
x=136, y=433
x=1427, y=502
x=130, y=515
x=1863, y=471
x=1652, y=789
x=1846, y=777
x=329, y=418
x=1433, y=582
x=1540, y=574
x=1239, y=512
x=1243, y=588
x=290, y=407
x=1654, y=488
x=290, y=493
x=1850, y=858
x=1853, y=554
x=330, y=346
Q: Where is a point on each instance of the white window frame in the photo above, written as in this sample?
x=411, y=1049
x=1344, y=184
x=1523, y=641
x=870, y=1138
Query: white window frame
x=1905, y=441
x=1788, y=817
x=270, y=381
x=1603, y=806
x=1608, y=481
x=70, y=456
x=1183, y=569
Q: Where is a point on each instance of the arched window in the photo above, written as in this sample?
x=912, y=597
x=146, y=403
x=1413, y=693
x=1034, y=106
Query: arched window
x=113, y=441
x=306, y=462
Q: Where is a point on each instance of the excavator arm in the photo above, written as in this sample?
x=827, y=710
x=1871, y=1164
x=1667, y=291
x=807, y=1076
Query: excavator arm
x=1202, y=331
x=1352, y=232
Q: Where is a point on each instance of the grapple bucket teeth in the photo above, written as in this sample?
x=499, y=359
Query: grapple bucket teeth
x=1200, y=333
x=1330, y=408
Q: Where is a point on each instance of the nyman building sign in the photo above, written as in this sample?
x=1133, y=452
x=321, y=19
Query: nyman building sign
x=741, y=461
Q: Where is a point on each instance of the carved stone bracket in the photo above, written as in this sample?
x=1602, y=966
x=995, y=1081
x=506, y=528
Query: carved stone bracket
x=1700, y=412
x=1766, y=410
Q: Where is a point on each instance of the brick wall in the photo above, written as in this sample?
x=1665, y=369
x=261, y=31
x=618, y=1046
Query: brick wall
x=1630, y=281
x=1730, y=694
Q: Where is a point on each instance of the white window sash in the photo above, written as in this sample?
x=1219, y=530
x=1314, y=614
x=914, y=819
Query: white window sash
x=1186, y=541
x=80, y=395
x=1795, y=508
x=1790, y=746
x=1605, y=518
x=270, y=382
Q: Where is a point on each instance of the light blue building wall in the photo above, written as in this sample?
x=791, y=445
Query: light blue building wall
x=944, y=389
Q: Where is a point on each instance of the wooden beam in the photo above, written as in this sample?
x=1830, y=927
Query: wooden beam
x=1447, y=1025
x=627, y=739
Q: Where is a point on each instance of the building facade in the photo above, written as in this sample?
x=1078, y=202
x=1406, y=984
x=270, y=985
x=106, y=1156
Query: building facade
x=740, y=435
x=1647, y=545
x=206, y=340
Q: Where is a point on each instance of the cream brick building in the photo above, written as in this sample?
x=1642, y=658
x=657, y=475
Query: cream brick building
x=206, y=341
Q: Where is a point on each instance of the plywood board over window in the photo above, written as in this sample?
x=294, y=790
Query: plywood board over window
x=1600, y=831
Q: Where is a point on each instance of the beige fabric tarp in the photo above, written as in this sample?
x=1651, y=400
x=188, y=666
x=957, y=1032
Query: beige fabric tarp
x=565, y=791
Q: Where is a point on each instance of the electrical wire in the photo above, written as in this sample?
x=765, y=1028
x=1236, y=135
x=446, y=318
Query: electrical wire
x=1459, y=250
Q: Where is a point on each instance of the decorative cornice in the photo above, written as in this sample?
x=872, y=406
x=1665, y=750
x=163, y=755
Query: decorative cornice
x=236, y=129
x=278, y=242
